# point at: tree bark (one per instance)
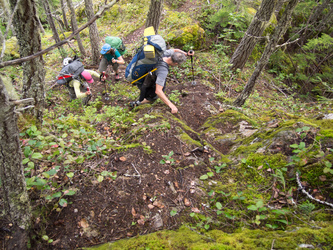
(93, 32)
(269, 49)
(26, 23)
(63, 9)
(252, 35)
(75, 27)
(154, 14)
(15, 196)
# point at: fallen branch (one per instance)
(28, 58)
(21, 109)
(23, 101)
(286, 43)
(309, 195)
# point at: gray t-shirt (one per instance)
(163, 68)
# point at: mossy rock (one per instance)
(189, 36)
(185, 238)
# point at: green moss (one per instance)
(184, 238)
(325, 133)
(187, 139)
(273, 161)
(12, 47)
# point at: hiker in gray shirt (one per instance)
(154, 83)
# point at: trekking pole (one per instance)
(193, 82)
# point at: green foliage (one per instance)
(306, 207)
(168, 159)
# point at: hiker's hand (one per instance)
(88, 92)
(114, 60)
(190, 53)
(174, 109)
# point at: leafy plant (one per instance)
(168, 159)
(306, 207)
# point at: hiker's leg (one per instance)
(145, 101)
(84, 88)
(71, 91)
(116, 70)
(103, 65)
(147, 87)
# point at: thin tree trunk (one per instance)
(75, 27)
(154, 14)
(318, 21)
(26, 23)
(253, 34)
(93, 32)
(269, 49)
(63, 9)
(15, 196)
(40, 25)
(50, 20)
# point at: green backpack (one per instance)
(117, 43)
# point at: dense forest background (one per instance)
(246, 163)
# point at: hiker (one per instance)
(78, 87)
(109, 56)
(154, 83)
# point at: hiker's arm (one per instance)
(93, 73)
(190, 53)
(119, 60)
(164, 98)
(79, 94)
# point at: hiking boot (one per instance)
(116, 77)
(134, 104)
(86, 100)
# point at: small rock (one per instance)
(157, 221)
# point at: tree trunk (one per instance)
(93, 32)
(26, 23)
(50, 20)
(63, 9)
(252, 35)
(318, 21)
(15, 196)
(154, 14)
(75, 27)
(269, 49)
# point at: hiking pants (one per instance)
(83, 88)
(104, 64)
(148, 88)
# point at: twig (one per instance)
(278, 89)
(305, 222)
(23, 101)
(286, 43)
(309, 195)
(272, 245)
(137, 172)
(27, 107)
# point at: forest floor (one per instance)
(140, 200)
(117, 209)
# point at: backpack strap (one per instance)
(143, 75)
